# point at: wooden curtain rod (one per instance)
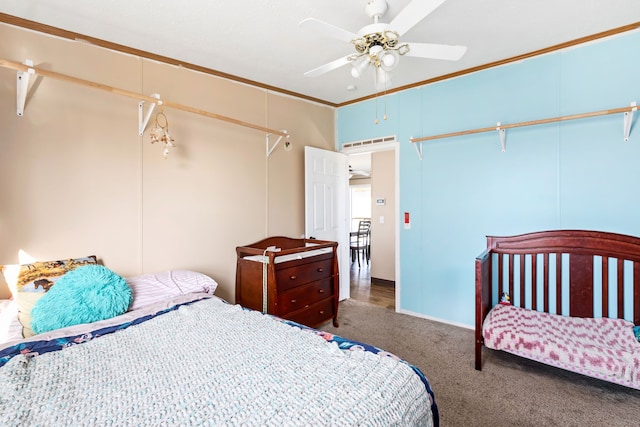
(25, 68)
(528, 123)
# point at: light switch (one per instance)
(381, 219)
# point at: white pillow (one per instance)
(10, 326)
(151, 288)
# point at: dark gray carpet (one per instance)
(509, 391)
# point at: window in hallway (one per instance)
(360, 203)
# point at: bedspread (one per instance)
(599, 347)
(208, 363)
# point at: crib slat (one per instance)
(558, 283)
(500, 275)
(620, 288)
(511, 278)
(605, 287)
(636, 293)
(534, 282)
(522, 291)
(546, 282)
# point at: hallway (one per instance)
(363, 290)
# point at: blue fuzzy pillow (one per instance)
(84, 295)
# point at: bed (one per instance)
(566, 298)
(182, 356)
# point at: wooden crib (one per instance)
(599, 273)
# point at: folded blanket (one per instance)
(600, 347)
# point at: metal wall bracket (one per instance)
(275, 144)
(143, 119)
(628, 120)
(503, 137)
(22, 81)
(418, 147)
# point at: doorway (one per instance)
(373, 189)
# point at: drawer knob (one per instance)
(320, 269)
(293, 301)
(321, 311)
(321, 291)
(293, 277)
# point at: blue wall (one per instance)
(574, 174)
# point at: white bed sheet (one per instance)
(10, 327)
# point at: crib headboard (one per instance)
(520, 260)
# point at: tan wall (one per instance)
(383, 253)
(77, 179)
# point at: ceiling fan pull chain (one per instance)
(376, 120)
(385, 104)
(375, 76)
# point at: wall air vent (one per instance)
(374, 144)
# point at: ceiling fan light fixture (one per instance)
(389, 59)
(359, 66)
(383, 79)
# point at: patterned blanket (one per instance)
(208, 363)
(599, 347)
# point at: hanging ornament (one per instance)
(160, 133)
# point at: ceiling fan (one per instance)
(358, 173)
(378, 44)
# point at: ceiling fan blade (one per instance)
(413, 13)
(436, 51)
(327, 30)
(328, 67)
(360, 173)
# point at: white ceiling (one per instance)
(360, 164)
(260, 40)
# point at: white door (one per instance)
(326, 199)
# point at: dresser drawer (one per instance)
(305, 295)
(313, 315)
(288, 278)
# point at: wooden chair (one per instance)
(360, 243)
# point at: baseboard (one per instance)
(383, 282)
(435, 319)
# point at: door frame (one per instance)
(387, 145)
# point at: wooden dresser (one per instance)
(300, 277)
